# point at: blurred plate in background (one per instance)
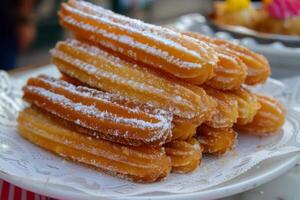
(263, 38)
(260, 37)
(284, 59)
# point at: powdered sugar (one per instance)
(128, 75)
(92, 110)
(98, 71)
(155, 33)
(125, 39)
(97, 151)
(158, 122)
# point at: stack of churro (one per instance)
(139, 101)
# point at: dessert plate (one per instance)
(256, 160)
(264, 38)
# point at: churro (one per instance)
(230, 71)
(156, 46)
(140, 164)
(185, 155)
(248, 105)
(216, 141)
(107, 115)
(258, 68)
(226, 112)
(102, 70)
(268, 119)
(183, 130)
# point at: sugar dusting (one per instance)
(67, 141)
(176, 97)
(161, 126)
(130, 41)
(155, 33)
(92, 110)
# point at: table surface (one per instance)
(285, 187)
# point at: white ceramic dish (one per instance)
(242, 32)
(259, 174)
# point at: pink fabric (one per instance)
(11, 192)
(283, 9)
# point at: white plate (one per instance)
(262, 173)
(242, 32)
(265, 38)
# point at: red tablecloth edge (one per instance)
(12, 192)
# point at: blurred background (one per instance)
(29, 28)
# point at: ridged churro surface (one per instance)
(226, 112)
(100, 69)
(258, 68)
(248, 105)
(140, 164)
(185, 155)
(216, 141)
(103, 113)
(156, 46)
(268, 119)
(230, 71)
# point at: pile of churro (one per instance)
(139, 101)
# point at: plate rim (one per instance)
(214, 192)
(253, 33)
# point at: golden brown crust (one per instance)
(185, 155)
(248, 105)
(102, 70)
(183, 130)
(105, 115)
(216, 141)
(158, 47)
(140, 164)
(258, 68)
(268, 119)
(226, 112)
(230, 71)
